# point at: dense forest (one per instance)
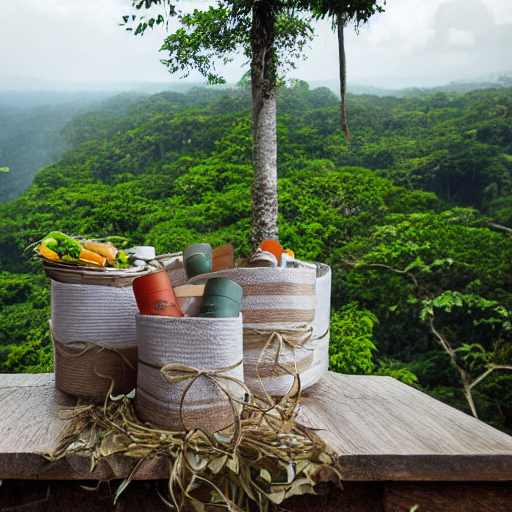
(411, 213)
(30, 122)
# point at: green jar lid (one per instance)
(223, 287)
(194, 249)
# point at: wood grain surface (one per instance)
(223, 257)
(380, 429)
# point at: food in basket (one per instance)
(105, 249)
(48, 253)
(57, 246)
(289, 252)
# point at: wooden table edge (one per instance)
(354, 468)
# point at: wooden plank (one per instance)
(384, 430)
(223, 257)
(28, 415)
(380, 429)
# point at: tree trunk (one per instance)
(264, 111)
(343, 76)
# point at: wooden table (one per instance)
(397, 446)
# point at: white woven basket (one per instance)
(203, 344)
(104, 316)
(321, 332)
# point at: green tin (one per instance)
(221, 299)
(197, 259)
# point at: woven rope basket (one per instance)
(321, 332)
(272, 295)
(307, 296)
(202, 344)
(94, 333)
(68, 273)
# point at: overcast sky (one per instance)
(414, 43)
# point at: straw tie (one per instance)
(86, 346)
(292, 337)
(76, 350)
(175, 373)
(295, 337)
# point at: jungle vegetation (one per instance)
(411, 213)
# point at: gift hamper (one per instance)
(93, 312)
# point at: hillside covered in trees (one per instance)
(411, 214)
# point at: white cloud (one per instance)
(414, 42)
(461, 37)
(420, 42)
(501, 11)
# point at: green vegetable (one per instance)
(63, 245)
(122, 257)
(122, 260)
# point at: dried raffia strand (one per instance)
(264, 457)
(258, 449)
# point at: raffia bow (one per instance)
(175, 373)
(293, 338)
(77, 349)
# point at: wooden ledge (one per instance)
(379, 428)
(382, 429)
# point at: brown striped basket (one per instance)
(272, 295)
(281, 300)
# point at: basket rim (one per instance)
(182, 319)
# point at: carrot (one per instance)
(106, 250)
(48, 253)
(92, 257)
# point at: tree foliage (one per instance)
(174, 169)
